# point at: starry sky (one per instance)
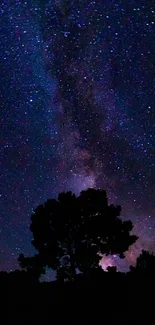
(77, 100)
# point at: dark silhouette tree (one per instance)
(33, 265)
(145, 263)
(71, 232)
(112, 269)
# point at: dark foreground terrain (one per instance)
(100, 298)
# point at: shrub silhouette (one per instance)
(112, 269)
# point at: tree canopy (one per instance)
(145, 263)
(71, 232)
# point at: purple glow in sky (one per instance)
(77, 110)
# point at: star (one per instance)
(77, 98)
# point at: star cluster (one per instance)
(77, 110)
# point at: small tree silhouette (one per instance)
(145, 263)
(70, 232)
(112, 269)
(34, 265)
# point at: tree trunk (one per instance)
(72, 260)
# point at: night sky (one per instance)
(77, 97)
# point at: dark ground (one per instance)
(107, 299)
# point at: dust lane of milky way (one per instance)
(77, 110)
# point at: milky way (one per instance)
(77, 111)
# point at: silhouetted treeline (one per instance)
(72, 233)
